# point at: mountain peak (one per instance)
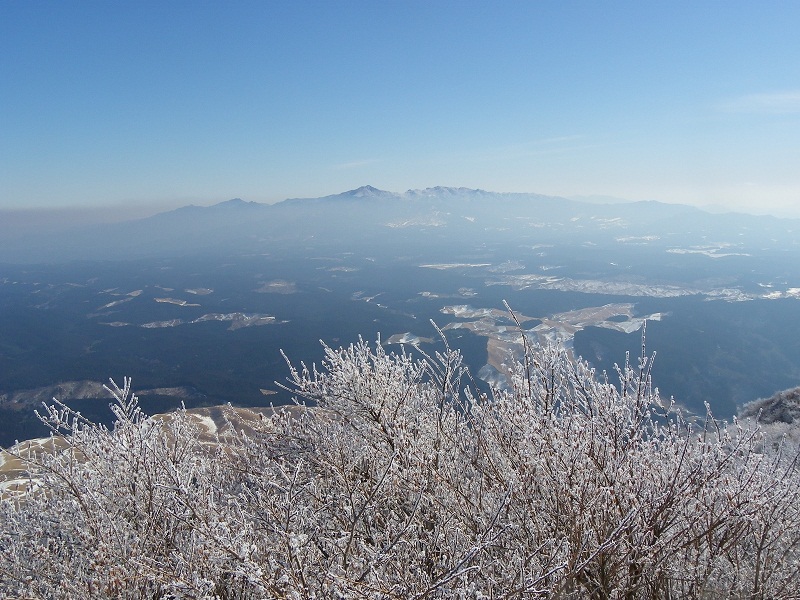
(446, 192)
(234, 203)
(366, 191)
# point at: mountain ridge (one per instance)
(357, 215)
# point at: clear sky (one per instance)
(166, 103)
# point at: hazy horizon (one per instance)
(18, 223)
(151, 104)
(21, 221)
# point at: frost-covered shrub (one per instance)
(405, 482)
(782, 407)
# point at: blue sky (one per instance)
(168, 103)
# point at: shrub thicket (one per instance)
(405, 482)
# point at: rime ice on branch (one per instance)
(404, 481)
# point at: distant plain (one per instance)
(196, 304)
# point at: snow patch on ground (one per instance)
(206, 423)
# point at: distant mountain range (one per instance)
(195, 302)
(367, 215)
